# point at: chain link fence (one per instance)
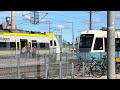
(43, 66)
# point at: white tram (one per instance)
(94, 43)
(12, 41)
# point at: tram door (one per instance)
(23, 42)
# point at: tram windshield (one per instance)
(86, 40)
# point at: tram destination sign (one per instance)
(87, 35)
(4, 39)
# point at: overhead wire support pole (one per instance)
(90, 20)
(111, 44)
(72, 37)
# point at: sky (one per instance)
(59, 21)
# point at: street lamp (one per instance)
(73, 37)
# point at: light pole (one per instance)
(72, 37)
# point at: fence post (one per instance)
(83, 70)
(38, 68)
(60, 73)
(46, 72)
(60, 56)
(18, 66)
(45, 63)
(66, 64)
(72, 74)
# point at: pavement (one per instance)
(86, 77)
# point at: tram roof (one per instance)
(19, 32)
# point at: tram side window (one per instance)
(12, 45)
(98, 44)
(50, 42)
(34, 43)
(44, 45)
(117, 41)
(55, 43)
(17, 45)
(3, 45)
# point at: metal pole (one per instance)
(90, 20)
(111, 44)
(73, 37)
(61, 47)
(38, 68)
(45, 63)
(83, 71)
(78, 44)
(13, 19)
(18, 66)
(61, 40)
(66, 64)
(46, 72)
(72, 74)
(49, 27)
(60, 73)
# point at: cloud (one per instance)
(85, 21)
(117, 16)
(27, 17)
(93, 21)
(97, 21)
(60, 26)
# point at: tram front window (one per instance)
(98, 44)
(86, 40)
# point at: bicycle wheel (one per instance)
(97, 71)
(77, 69)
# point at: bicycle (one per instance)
(93, 68)
(104, 65)
(96, 69)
